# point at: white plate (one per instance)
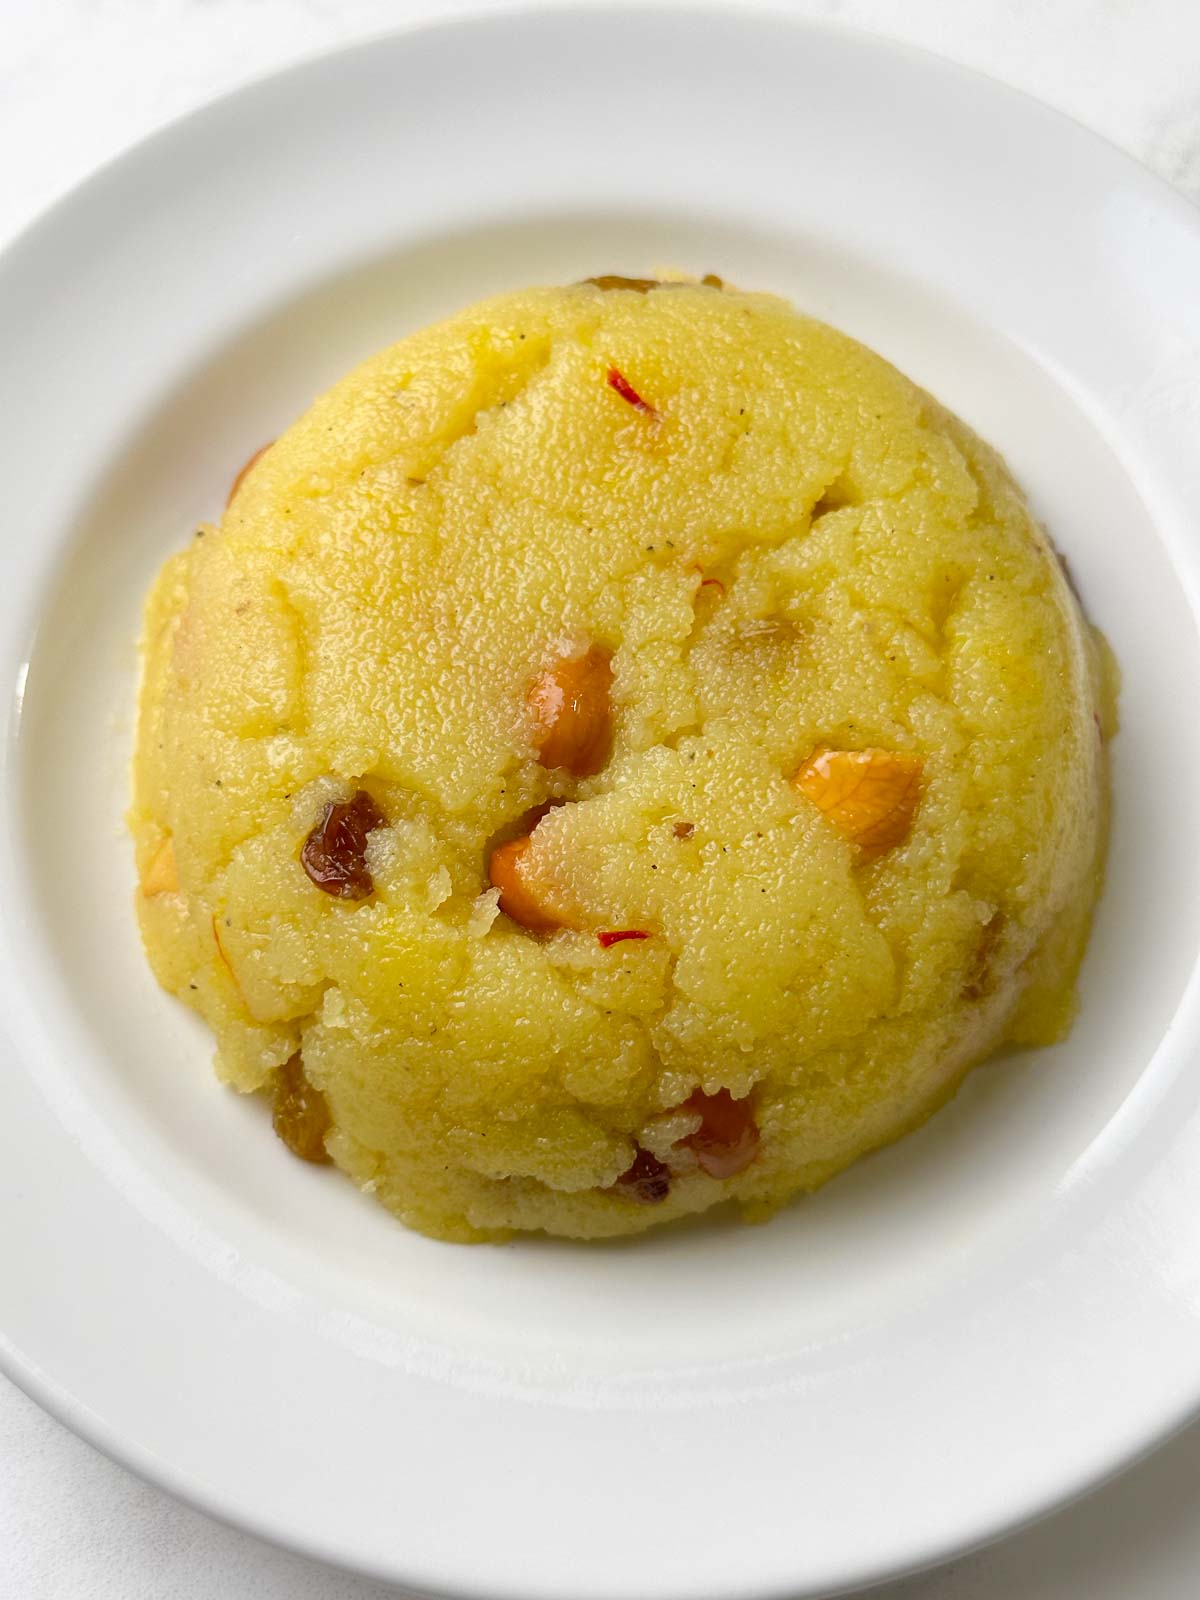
(953, 1337)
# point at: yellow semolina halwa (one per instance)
(626, 748)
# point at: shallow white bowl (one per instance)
(951, 1338)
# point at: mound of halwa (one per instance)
(626, 748)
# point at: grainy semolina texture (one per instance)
(485, 500)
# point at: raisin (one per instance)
(334, 854)
(301, 1115)
(612, 280)
(646, 1179)
(726, 1141)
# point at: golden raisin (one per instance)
(518, 899)
(870, 796)
(241, 477)
(301, 1115)
(612, 280)
(571, 703)
(646, 1179)
(335, 853)
(162, 875)
(726, 1141)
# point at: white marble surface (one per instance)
(82, 79)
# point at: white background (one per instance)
(82, 79)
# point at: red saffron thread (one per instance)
(618, 381)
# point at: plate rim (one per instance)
(39, 1384)
(479, 13)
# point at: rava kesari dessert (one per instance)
(624, 749)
